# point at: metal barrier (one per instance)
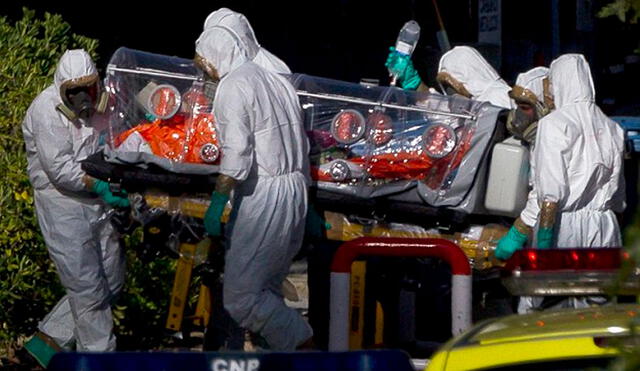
(399, 247)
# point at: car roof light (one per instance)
(567, 259)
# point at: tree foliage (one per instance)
(30, 48)
(625, 10)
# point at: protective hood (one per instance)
(468, 67)
(75, 68)
(220, 47)
(529, 85)
(571, 80)
(265, 59)
(239, 24)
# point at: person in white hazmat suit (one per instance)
(265, 163)
(79, 237)
(462, 70)
(241, 26)
(531, 100)
(578, 179)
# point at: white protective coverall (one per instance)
(532, 81)
(577, 162)
(242, 28)
(467, 65)
(81, 241)
(265, 149)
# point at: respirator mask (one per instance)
(82, 99)
(522, 124)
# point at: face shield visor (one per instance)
(522, 122)
(82, 98)
(210, 73)
(209, 76)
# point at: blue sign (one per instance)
(367, 360)
(631, 126)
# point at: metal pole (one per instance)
(152, 72)
(365, 102)
(555, 28)
(443, 38)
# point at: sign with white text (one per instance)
(490, 22)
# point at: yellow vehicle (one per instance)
(575, 339)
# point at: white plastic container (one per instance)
(507, 184)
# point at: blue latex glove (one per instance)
(512, 241)
(401, 66)
(545, 238)
(102, 189)
(214, 214)
(315, 225)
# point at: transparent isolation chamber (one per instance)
(377, 141)
(160, 109)
(365, 141)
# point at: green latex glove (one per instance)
(545, 238)
(512, 241)
(315, 225)
(214, 214)
(41, 350)
(401, 66)
(102, 189)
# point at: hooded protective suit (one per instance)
(265, 149)
(577, 161)
(240, 25)
(467, 67)
(81, 242)
(531, 82)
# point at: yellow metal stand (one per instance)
(357, 310)
(356, 305)
(180, 289)
(203, 308)
(190, 255)
(379, 335)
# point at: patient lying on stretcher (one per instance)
(189, 135)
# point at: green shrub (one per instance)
(30, 49)
(29, 287)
